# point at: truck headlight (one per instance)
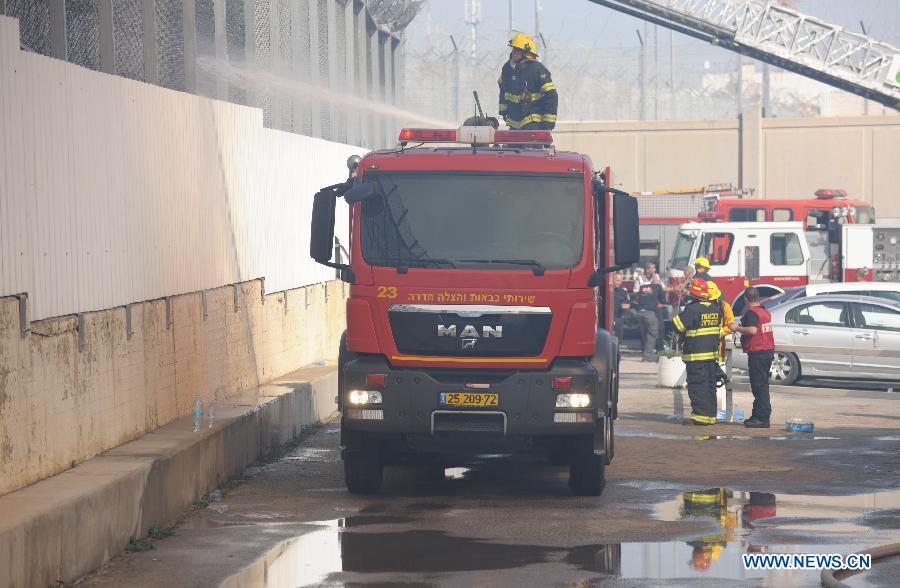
(361, 397)
(573, 400)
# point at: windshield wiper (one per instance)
(404, 263)
(537, 267)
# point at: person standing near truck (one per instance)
(622, 305)
(758, 342)
(702, 267)
(715, 296)
(651, 297)
(700, 324)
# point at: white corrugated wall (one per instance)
(114, 191)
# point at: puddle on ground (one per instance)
(629, 432)
(309, 454)
(207, 523)
(739, 521)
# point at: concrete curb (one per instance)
(70, 524)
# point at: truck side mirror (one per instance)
(626, 233)
(360, 192)
(321, 229)
(626, 229)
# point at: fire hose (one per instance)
(832, 578)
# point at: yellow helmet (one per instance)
(714, 292)
(525, 43)
(702, 262)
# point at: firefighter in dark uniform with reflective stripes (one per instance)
(528, 98)
(700, 325)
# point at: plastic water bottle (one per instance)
(198, 413)
(211, 416)
(800, 425)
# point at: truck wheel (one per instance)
(609, 440)
(587, 475)
(363, 472)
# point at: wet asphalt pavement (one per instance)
(681, 507)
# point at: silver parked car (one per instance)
(889, 290)
(834, 336)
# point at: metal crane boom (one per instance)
(782, 37)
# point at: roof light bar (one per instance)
(428, 135)
(826, 194)
(475, 135)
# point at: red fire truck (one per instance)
(774, 255)
(473, 323)
(828, 204)
(664, 211)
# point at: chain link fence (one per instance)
(324, 68)
(660, 82)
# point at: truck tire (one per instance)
(363, 472)
(587, 474)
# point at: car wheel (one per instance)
(785, 368)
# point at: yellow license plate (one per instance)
(469, 399)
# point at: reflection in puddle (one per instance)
(736, 511)
(313, 558)
(742, 521)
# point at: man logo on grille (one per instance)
(469, 343)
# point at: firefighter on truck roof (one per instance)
(700, 326)
(528, 98)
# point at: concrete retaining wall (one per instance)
(113, 191)
(75, 386)
(68, 525)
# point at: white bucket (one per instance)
(671, 372)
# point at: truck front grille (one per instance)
(469, 330)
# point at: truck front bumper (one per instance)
(411, 406)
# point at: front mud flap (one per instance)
(600, 434)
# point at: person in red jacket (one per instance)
(758, 342)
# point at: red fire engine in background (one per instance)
(663, 212)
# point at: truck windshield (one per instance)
(865, 215)
(681, 257)
(486, 220)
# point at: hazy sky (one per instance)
(581, 22)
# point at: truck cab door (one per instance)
(723, 251)
(787, 260)
(857, 252)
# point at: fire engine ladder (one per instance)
(782, 37)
